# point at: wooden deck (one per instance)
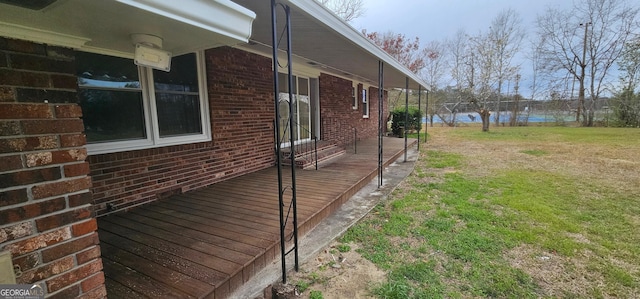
(208, 242)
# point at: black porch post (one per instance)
(406, 116)
(426, 112)
(292, 140)
(381, 124)
(419, 105)
(274, 47)
(281, 189)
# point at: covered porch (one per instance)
(208, 242)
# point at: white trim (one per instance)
(221, 16)
(204, 111)
(41, 36)
(354, 95)
(108, 52)
(366, 106)
(153, 139)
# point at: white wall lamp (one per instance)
(149, 52)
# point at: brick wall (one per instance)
(336, 112)
(241, 104)
(46, 219)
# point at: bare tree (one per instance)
(434, 64)
(433, 72)
(348, 10)
(459, 56)
(585, 42)
(458, 48)
(480, 77)
(505, 36)
(534, 57)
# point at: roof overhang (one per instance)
(322, 40)
(106, 25)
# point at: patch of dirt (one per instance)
(557, 276)
(338, 274)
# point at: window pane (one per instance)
(305, 111)
(365, 103)
(102, 71)
(178, 114)
(303, 86)
(283, 82)
(111, 115)
(111, 98)
(283, 103)
(183, 76)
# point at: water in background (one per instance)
(505, 117)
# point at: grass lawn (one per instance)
(526, 212)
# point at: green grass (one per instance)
(315, 295)
(607, 136)
(343, 248)
(448, 238)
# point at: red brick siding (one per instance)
(337, 114)
(45, 217)
(241, 109)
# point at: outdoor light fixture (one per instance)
(149, 52)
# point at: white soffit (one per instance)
(220, 16)
(105, 26)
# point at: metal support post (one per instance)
(406, 117)
(426, 112)
(381, 124)
(281, 188)
(419, 104)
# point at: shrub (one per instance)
(398, 120)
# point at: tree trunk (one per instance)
(484, 115)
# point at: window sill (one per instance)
(124, 146)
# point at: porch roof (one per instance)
(106, 26)
(322, 40)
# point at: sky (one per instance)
(439, 19)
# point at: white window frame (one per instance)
(354, 96)
(366, 99)
(153, 139)
(287, 143)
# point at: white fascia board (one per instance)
(322, 14)
(41, 36)
(220, 16)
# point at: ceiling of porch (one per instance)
(322, 40)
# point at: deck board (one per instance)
(189, 245)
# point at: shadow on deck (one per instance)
(209, 242)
